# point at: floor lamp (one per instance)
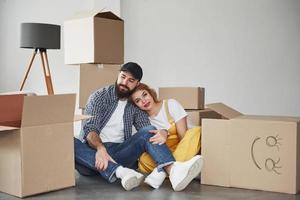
(40, 37)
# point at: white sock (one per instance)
(129, 177)
(155, 178)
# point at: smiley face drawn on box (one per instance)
(271, 162)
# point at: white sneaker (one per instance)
(130, 181)
(182, 173)
(129, 178)
(155, 178)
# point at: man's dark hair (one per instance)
(134, 69)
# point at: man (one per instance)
(110, 149)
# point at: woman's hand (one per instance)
(160, 136)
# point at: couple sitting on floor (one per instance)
(163, 145)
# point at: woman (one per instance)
(169, 115)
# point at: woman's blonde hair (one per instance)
(143, 86)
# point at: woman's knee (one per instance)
(144, 132)
(148, 128)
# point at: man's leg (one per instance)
(85, 161)
(85, 171)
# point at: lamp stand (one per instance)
(46, 69)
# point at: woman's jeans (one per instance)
(125, 154)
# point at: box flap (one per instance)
(41, 110)
(224, 110)
(77, 118)
(7, 128)
(11, 110)
(108, 15)
(95, 13)
(26, 93)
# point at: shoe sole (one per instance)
(140, 179)
(132, 182)
(151, 184)
(193, 172)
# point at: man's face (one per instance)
(125, 84)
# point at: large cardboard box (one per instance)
(36, 143)
(94, 37)
(253, 152)
(93, 77)
(188, 97)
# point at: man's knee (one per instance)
(76, 143)
(82, 170)
(80, 147)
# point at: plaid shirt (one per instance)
(101, 105)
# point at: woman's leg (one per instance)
(130, 150)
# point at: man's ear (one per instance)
(137, 83)
(118, 76)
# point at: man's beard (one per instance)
(123, 94)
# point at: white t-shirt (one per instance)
(160, 121)
(113, 131)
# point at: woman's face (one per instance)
(143, 100)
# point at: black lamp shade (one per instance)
(41, 36)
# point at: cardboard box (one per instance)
(196, 116)
(252, 152)
(188, 97)
(93, 77)
(94, 37)
(36, 143)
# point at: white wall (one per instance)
(14, 60)
(112, 5)
(245, 53)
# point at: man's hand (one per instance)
(102, 158)
(160, 136)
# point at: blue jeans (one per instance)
(125, 154)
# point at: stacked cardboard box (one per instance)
(188, 97)
(36, 143)
(93, 77)
(253, 152)
(95, 41)
(193, 101)
(94, 37)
